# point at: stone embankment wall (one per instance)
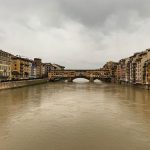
(17, 84)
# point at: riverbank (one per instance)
(17, 84)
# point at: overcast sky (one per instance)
(75, 33)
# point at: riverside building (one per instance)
(147, 72)
(21, 68)
(135, 69)
(38, 65)
(5, 65)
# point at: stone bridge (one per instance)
(70, 75)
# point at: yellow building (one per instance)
(5, 66)
(21, 68)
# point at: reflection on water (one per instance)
(75, 116)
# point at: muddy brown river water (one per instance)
(75, 116)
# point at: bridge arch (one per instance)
(79, 77)
(88, 79)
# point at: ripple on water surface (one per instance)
(75, 116)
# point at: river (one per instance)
(75, 116)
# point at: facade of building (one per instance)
(33, 71)
(30, 69)
(130, 69)
(112, 67)
(58, 67)
(118, 72)
(122, 70)
(38, 65)
(134, 69)
(146, 79)
(145, 56)
(148, 73)
(138, 66)
(20, 68)
(138, 75)
(5, 66)
(127, 70)
(44, 75)
(48, 67)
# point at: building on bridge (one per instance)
(70, 75)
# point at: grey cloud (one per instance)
(93, 14)
(96, 13)
(75, 33)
